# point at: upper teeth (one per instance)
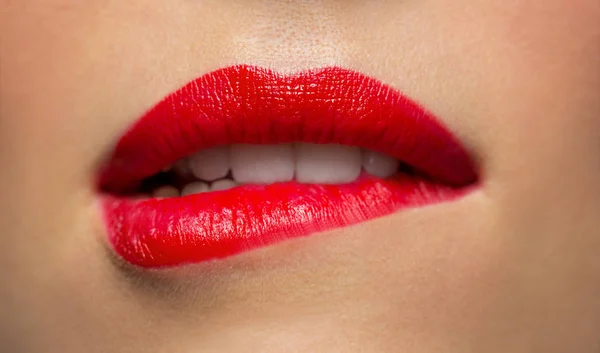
(379, 164)
(327, 164)
(210, 164)
(262, 164)
(266, 164)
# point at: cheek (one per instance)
(531, 90)
(543, 153)
(46, 79)
(546, 106)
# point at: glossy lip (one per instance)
(246, 104)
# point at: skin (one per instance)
(513, 267)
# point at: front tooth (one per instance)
(327, 164)
(210, 164)
(195, 188)
(223, 184)
(166, 191)
(262, 164)
(379, 165)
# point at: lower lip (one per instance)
(148, 233)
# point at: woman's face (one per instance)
(511, 267)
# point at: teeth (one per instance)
(267, 164)
(210, 164)
(195, 188)
(327, 164)
(262, 164)
(223, 184)
(379, 165)
(166, 191)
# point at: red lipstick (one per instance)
(246, 104)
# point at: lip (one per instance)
(247, 104)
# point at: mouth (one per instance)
(244, 157)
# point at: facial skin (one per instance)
(513, 267)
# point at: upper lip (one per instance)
(246, 104)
